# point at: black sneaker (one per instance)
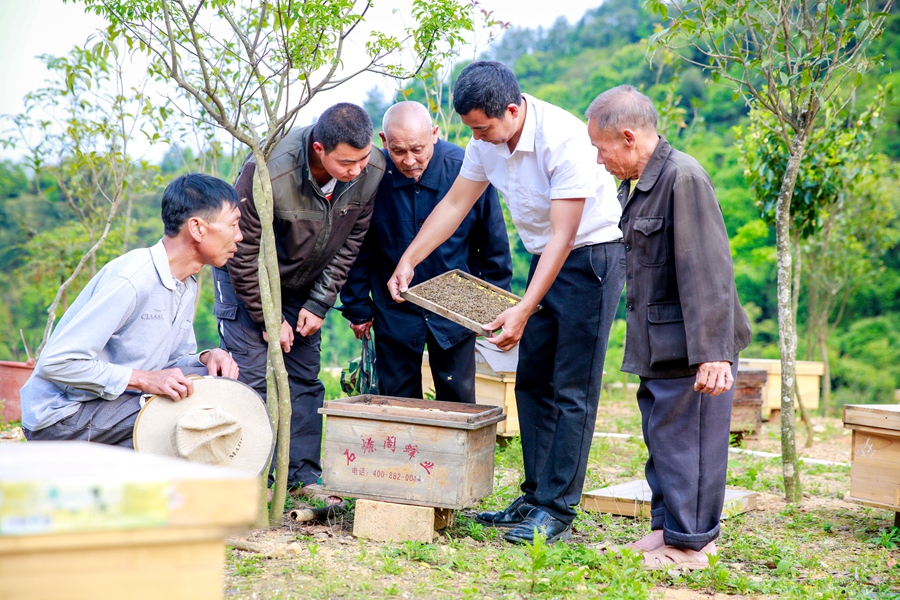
(512, 515)
(540, 520)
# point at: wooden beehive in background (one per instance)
(875, 457)
(409, 451)
(746, 411)
(495, 382)
(809, 379)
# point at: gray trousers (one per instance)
(242, 337)
(560, 372)
(687, 434)
(103, 421)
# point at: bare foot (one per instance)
(670, 557)
(649, 542)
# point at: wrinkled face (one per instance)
(490, 129)
(344, 162)
(220, 236)
(411, 148)
(613, 152)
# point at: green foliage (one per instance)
(831, 162)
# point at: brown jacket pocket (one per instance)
(668, 341)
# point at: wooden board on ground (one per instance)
(80, 520)
(875, 457)
(416, 452)
(632, 499)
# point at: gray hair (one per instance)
(622, 107)
(407, 114)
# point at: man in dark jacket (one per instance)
(685, 324)
(324, 179)
(420, 170)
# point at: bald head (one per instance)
(406, 115)
(409, 137)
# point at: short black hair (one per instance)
(343, 123)
(487, 85)
(194, 195)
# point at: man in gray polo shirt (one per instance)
(130, 331)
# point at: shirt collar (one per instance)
(529, 129)
(654, 166)
(161, 262)
(431, 178)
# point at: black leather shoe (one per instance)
(552, 528)
(510, 516)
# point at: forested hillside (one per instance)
(569, 64)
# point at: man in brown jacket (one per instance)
(324, 179)
(685, 324)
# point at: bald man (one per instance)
(420, 170)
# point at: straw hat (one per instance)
(224, 422)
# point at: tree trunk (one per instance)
(278, 394)
(795, 302)
(788, 337)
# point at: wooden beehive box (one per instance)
(875, 459)
(409, 451)
(89, 521)
(495, 382)
(746, 411)
(809, 379)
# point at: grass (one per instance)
(822, 549)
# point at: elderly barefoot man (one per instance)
(685, 323)
(420, 170)
(564, 208)
(130, 331)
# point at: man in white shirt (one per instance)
(565, 209)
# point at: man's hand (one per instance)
(308, 323)
(512, 322)
(399, 281)
(713, 378)
(219, 363)
(361, 330)
(171, 382)
(286, 336)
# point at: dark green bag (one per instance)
(359, 376)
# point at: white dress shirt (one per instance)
(553, 159)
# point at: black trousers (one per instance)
(559, 374)
(687, 434)
(399, 369)
(242, 337)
